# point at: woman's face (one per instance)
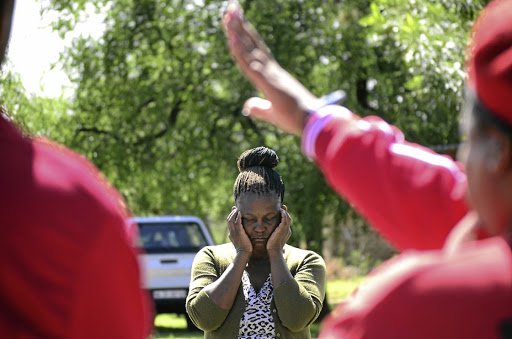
(261, 214)
(478, 154)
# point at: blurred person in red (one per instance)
(67, 265)
(454, 276)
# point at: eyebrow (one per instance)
(266, 215)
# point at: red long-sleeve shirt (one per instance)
(67, 265)
(413, 197)
(410, 194)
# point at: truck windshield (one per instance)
(171, 237)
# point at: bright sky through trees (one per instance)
(34, 47)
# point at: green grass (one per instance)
(175, 326)
(339, 289)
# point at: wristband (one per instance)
(330, 99)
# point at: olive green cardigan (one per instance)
(295, 304)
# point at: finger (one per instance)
(233, 29)
(255, 39)
(239, 227)
(230, 215)
(231, 11)
(246, 57)
(258, 108)
(237, 51)
(250, 41)
(238, 220)
(248, 50)
(287, 222)
(286, 219)
(235, 226)
(283, 219)
(237, 23)
(251, 59)
(231, 220)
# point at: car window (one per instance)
(171, 237)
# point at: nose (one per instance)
(259, 227)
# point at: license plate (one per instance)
(169, 294)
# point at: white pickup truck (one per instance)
(170, 244)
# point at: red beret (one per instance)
(490, 58)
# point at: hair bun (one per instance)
(259, 156)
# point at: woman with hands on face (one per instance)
(256, 286)
(247, 235)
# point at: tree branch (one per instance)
(173, 116)
(362, 93)
(97, 131)
(139, 108)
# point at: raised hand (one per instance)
(286, 98)
(281, 234)
(237, 233)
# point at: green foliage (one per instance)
(339, 289)
(158, 99)
(34, 115)
(425, 42)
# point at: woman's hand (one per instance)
(237, 233)
(281, 234)
(286, 98)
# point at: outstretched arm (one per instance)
(412, 195)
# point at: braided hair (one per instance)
(257, 174)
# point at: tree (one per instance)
(34, 115)
(158, 99)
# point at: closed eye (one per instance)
(271, 220)
(246, 221)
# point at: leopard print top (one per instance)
(257, 321)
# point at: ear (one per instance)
(232, 208)
(500, 152)
(284, 208)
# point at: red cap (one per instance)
(490, 58)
